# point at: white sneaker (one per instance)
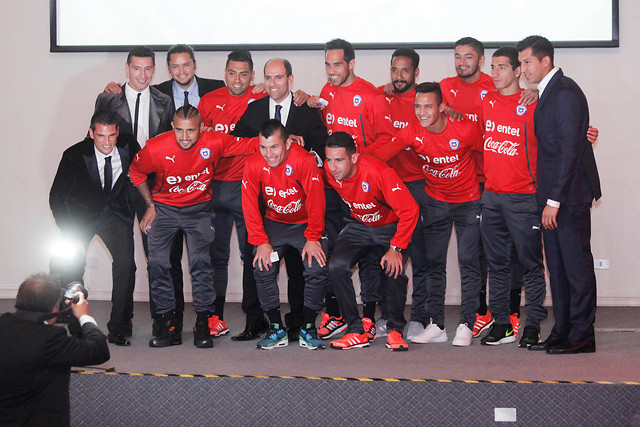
(381, 327)
(463, 337)
(431, 334)
(414, 329)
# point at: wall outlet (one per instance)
(601, 264)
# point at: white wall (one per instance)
(48, 100)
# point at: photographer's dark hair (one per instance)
(38, 293)
(342, 140)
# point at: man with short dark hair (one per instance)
(351, 104)
(221, 110)
(568, 182)
(183, 161)
(92, 196)
(303, 122)
(36, 356)
(451, 196)
(383, 217)
(510, 224)
(404, 72)
(287, 180)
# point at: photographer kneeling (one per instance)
(36, 357)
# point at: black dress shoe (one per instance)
(573, 347)
(551, 341)
(252, 331)
(118, 339)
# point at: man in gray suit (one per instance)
(144, 112)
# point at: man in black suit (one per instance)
(181, 62)
(36, 357)
(92, 195)
(185, 86)
(305, 123)
(567, 184)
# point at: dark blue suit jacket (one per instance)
(567, 171)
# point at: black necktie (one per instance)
(108, 175)
(278, 116)
(186, 98)
(135, 118)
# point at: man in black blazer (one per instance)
(567, 184)
(301, 121)
(181, 62)
(92, 195)
(36, 357)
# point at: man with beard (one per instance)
(353, 105)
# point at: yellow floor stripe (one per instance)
(136, 374)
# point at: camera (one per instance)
(72, 294)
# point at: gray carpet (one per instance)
(617, 358)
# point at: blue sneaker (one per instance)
(309, 338)
(275, 337)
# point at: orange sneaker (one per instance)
(331, 326)
(351, 340)
(395, 341)
(515, 322)
(482, 323)
(217, 327)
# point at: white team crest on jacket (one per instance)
(521, 110)
(357, 100)
(288, 170)
(483, 93)
(365, 186)
(205, 153)
(454, 144)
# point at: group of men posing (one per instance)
(358, 175)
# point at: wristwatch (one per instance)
(395, 248)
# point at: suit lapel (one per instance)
(157, 105)
(291, 118)
(122, 109)
(550, 87)
(126, 161)
(89, 156)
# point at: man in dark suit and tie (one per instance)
(185, 86)
(36, 356)
(567, 184)
(301, 121)
(92, 195)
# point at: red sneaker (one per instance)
(369, 328)
(482, 323)
(395, 341)
(351, 340)
(331, 326)
(217, 327)
(515, 322)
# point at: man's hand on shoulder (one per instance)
(114, 88)
(300, 97)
